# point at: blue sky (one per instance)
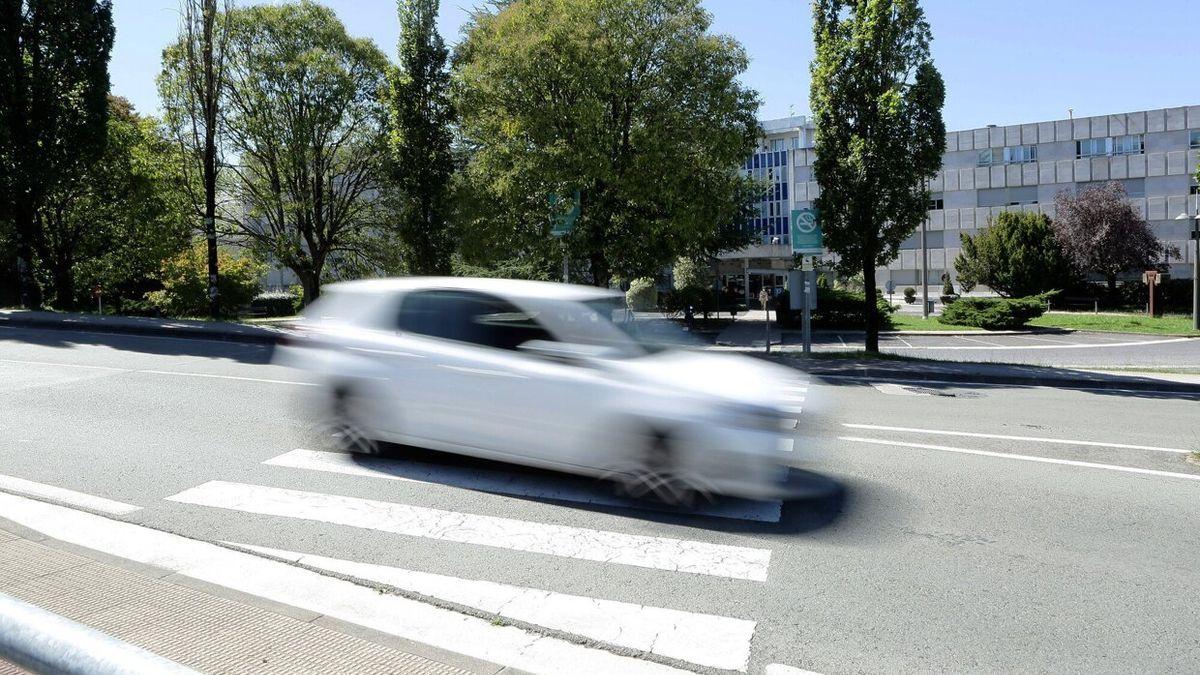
(1004, 62)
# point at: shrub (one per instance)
(1017, 255)
(994, 313)
(836, 308)
(278, 303)
(185, 282)
(642, 295)
(693, 281)
(910, 295)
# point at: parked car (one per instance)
(543, 374)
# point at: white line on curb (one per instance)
(1024, 458)
(503, 483)
(780, 669)
(227, 377)
(32, 489)
(675, 555)
(1035, 439)
(1059, 384)
(703, 639)
(336, 598)
(1096, 345)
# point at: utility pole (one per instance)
(1196, 270)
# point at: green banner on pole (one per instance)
(806, 232)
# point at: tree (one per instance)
(1101, 233)
(185, 282)
(302, 112)
(420, 119)
(877, 104)
(53, 109)
(117, 220)
(190, 87)
(693, 282)
(631, 104)
(1016, 256)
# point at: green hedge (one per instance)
(994, 313)
(836, 308)
(278, 303)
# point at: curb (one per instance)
(221, 332)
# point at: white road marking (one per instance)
(703, 639)
(965, 338)
(503, 483)
(780, 669)
(1092, 345)
(676, 555)
(32, 489)
(906, 342)
(1025, 458)
(1034, 439)
(227, 377)
(898, 390)
(64, 365)
(315, 592)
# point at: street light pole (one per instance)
(925, 261)
(1196, 269)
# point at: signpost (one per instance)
(561, 224)
(1196, 273)
(807, 241)
(890, 287)
(1151, 279)
(763, 298)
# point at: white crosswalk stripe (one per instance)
(557, 488)
(703, 639)
(676, 555)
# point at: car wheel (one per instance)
(346, 431)
(655, 474)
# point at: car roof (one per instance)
(504, 287)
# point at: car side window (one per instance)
(469, 317)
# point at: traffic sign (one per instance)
(806, 231)
(562, 222)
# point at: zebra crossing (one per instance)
(682, 637)
(672, 635)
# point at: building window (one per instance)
(1010, 196)
(986, 157)
(936, 204)
(1093, 147)
(1194, 140)
(1135, 188)
(1128, 145)
(1020, 154)
(1195, 190)
(778, 144)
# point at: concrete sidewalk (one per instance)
(204, 627)
(136, 325)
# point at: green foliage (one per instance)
(877, 104)
(279, 303)
(693, 283)
(301, 110)
(836, 308)
(515, 268)
(994, 313)
(420, 117)
(910, 295)
(115, 223)
(634, 103)
(53, 112)
(642, 295)
(185, 282)
(1016, 256)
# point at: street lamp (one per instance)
(1196, 269)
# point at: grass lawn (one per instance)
(1118, 323)
(915, 322)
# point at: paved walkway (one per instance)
(198, 627)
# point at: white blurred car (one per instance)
(543, 374)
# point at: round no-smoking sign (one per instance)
(806, 221)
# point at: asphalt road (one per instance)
(936, 551)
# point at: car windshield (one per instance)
(607, 323)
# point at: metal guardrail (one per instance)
(46, 643)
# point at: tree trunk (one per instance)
(210, 157)
(64, 286)
(310, 283)
(600, 272)
(30, 290)
(1112, 288)
(872, 307)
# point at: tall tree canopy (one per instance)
(1102, 234)
(53, 111)
(633, 105)
(1016, 256)
(115, 222)
(303, 114)
(420, 139)
(877, 104)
